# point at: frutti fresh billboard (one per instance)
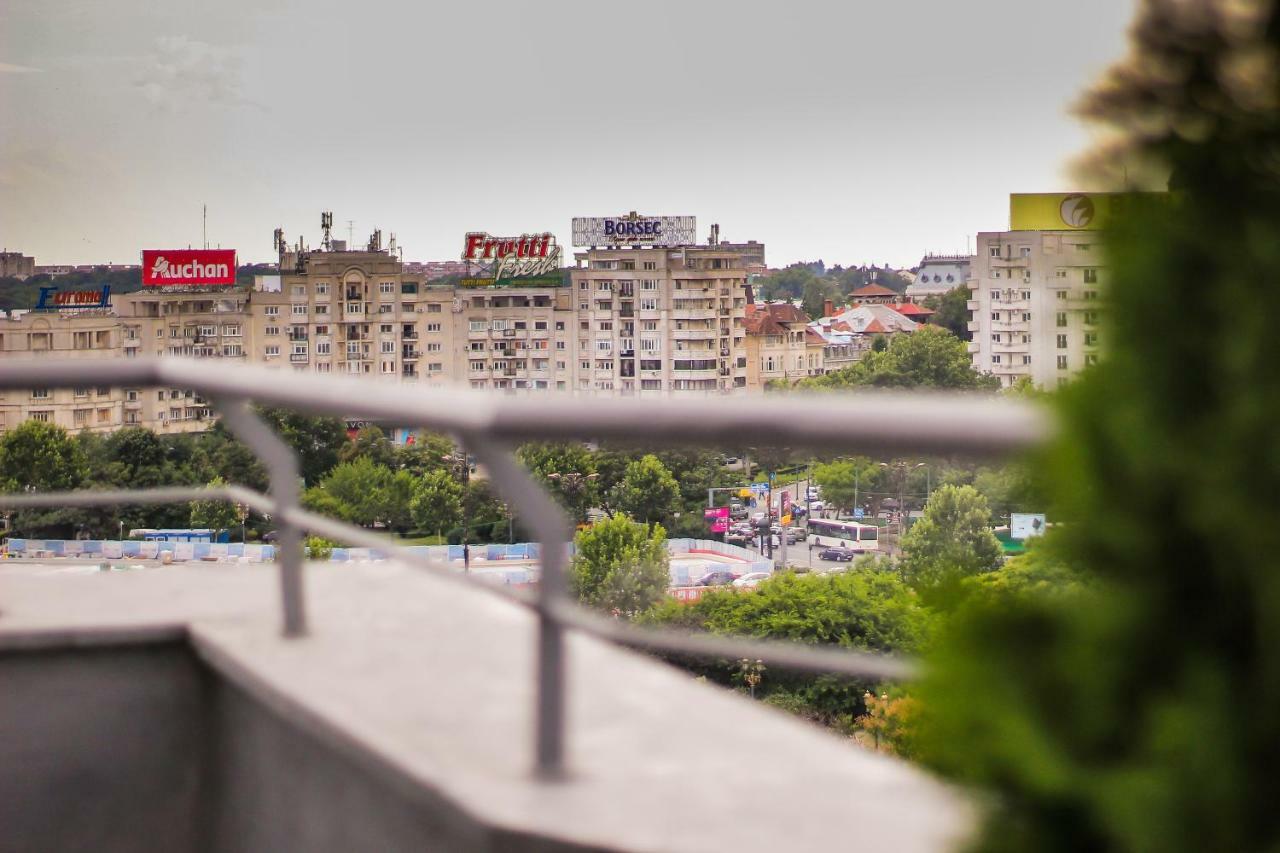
(529, 260)
(187, 267)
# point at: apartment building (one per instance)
(1034, 291)
(780, 348)
(87, 335)
(16, 265)
(628, 321)
(659, 321)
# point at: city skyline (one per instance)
(851, 135)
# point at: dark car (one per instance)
(838, 553)
(717, 578)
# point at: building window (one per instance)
(323, 347)
(1090, 276)
(271, 311)
(1061, 319)
(43, 394)
(1091, 294)
(387, 288)
(322, 309)
(272, 350)
(388, 347)
(42, 415)
(1062, 362)
(1091, 339)
(993, 251)
(995, 359)
(433, 327)
(80, 392)
(649, 304)
(322, 289)
(1090, 358)
(1026, 359)
(1062, 341)
(271, 331)
(1061, 294)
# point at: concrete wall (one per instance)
(128, 748)
(102, 749)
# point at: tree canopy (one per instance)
(926, 358)
(951, 541)
(620, 566)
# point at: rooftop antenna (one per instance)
(326, 226)
(351, 233)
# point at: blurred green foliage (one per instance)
(1139, 707)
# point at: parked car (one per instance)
(737, 510)
(838, 553)
(749, 580)
(720, 577)
(813, 493)
(735, 537)
(817, 506)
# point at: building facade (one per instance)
(779, 347)
(1033, 303)
(16, 265)
(659, 321)
(938, 274)
(647, 321)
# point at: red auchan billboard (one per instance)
(179, 267)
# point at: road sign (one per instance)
(859, 512)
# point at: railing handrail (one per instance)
(488, 425)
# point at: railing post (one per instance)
(282, 468)
(539, 510)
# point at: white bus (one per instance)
(825, 532)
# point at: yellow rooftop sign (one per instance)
(1061, 211)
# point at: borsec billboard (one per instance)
(184, 267)
(635, 230)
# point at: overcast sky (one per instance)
(855, 132)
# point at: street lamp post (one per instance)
(572, 484)
(464, 473)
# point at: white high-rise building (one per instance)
(1034, 290)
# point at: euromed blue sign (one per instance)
(51, 299)
(635, 230)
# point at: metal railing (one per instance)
(488, 426)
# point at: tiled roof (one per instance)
(872, 290)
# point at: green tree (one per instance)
(437, 502)
(926, 358)
(952, 311)
(356, 491)
(316, 440)
(370, 443)
(216, 514)
(867, 608)
(952, 540)
(620, 566)
(648, 492)
(427, 453)
(847, 480)
(567, 470)
(41, 457)
(816, 293)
